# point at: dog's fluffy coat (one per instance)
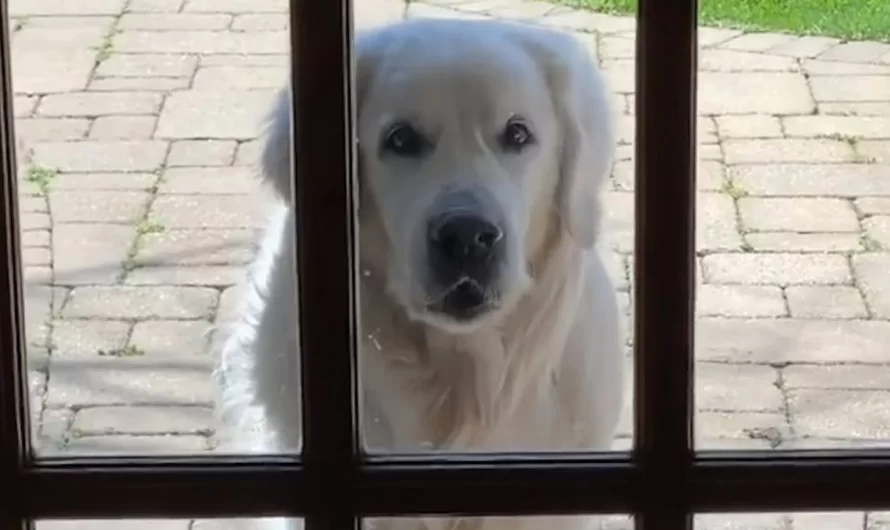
(544, 370)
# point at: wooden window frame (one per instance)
(662, 481)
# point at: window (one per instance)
(331, 484)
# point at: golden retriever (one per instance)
(489, 321)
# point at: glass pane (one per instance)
(484, 170)
(141, 209)
(566, 522)
(793, 521)
(269, 523)
(795, 229)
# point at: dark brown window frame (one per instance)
(332, 485)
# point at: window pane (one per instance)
(793, 300)
(793, 521)
(269, 523)
(597, 522)
(141, 209)
(484, 327)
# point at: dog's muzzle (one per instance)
(465, 249)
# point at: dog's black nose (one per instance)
(464, 241)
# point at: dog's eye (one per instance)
(404, 140)
(516, 135)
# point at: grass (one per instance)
(843, 19)
(42, 177)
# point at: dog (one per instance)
(488, 320)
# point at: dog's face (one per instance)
(462, 150)
(475, 139)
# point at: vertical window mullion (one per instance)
(665, 258)
(321, 70)
(15, 431)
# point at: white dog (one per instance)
(490, 322)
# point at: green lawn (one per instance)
(845, 19)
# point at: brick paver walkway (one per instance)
(139, 205)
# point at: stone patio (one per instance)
(140, 206)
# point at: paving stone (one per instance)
(280, 60)
(875, 151)
(797, 214)
(123, 128)
(260, 22)
(38, 72)
(171, 338)
(738, 426)
(53, 428)
(154, 6)
(143, 420)
(757, 42)
(210, 181)
(717, 228)
(709, 37)
(104, 181)
(588, 21)
(88, 338)
(240, 78)
(753, 388)
(618, 219)
(97, 206)
(833, 443)
(857, 88)
(127, 302)
(71, 21)
(873, 205)
(741, 521)
(856, 52)
(202, 153)
(50, 40)
(787, 150)
(102, 156)
(780, 341)
(171, 22)
(211, 276)
(18, 8)
(839, 180)
(805, 46)
(236, 6)
(36, 256)
(88, 254)
(216, 211)
(148, 65)
(130, 381)
(878, 521)
(840, 413)
(136, 445)
(105, 104)
(877, 228)
(35, 238)
(833, 126)
(43, 129)
(38, 275)
(196, 247)
(828, 521)
(778, 268)
(229, 303)
(836, 377)
(716, 60)
(200, 41)
(616, 48)
(619, 75)
(751, 93)
(853, 108)
(229, 114)
(834, 68)
(871, 271)
(24, 105)
(835, 301)
(35, 221)
(32, 204)
(138, 84)
(749, 126)
(248, 153)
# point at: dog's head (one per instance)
(474, 138)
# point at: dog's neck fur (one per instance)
(471, 385)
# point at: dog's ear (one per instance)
(275, 159)
(581, 103)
